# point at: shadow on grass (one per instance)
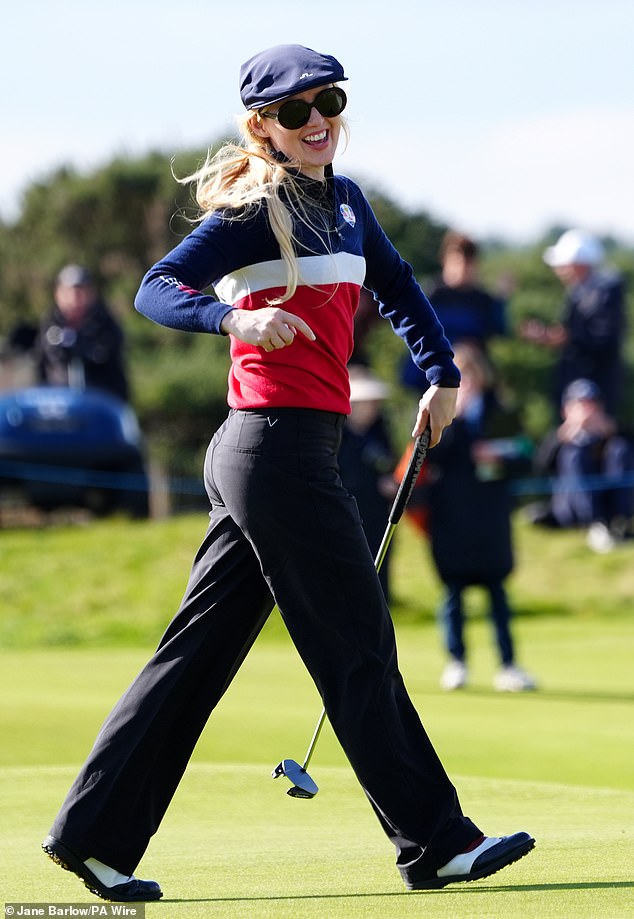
(541, 694)
(589, 885)
(405, 612)
(569, 695)
(510, 888)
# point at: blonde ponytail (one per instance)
(240, 178)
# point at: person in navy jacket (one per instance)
(276, 264)
(467, 311)
(469, 523)
(589, 337)
(590, 461)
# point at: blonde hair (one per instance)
(240, 177)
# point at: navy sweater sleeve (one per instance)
(402, 301)
(172, 293)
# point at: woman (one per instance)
(469, 505)
(287, 246)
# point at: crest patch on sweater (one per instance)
(348, 214)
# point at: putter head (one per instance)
(303, 785)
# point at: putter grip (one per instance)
(405, 489)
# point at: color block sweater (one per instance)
(342, 248)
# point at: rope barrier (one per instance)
(549, 486)
(137, 481)
(67, 475)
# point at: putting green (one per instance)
(235, 845)
(556, 763)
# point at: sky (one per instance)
(499, 117)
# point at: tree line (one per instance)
(122, 217)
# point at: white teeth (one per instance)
(314, 138)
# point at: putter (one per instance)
(302, 784)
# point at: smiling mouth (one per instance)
(318, 138)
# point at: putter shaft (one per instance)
(421, 446)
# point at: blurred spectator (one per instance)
(590, 335)
(79, 342)
(587, 445)
(366, 459)
(467, 311)
(469, 515)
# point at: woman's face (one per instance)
(313, 146)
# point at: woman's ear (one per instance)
(258, 126)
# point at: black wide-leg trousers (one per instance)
(282, 530)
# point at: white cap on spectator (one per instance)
(365, 387)
(574, 247)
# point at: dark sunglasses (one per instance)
(295, 113)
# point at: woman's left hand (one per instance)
(437, 408)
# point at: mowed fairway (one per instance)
(557, 763)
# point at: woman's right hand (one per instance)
(437, 408)
(269, 328)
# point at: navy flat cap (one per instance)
(284, 70)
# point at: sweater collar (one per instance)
(313, 187)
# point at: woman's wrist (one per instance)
(227, 323)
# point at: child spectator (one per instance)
(590, 461)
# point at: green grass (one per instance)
(81, 609)
(233, 845)
(116, 582)
(576, 729)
